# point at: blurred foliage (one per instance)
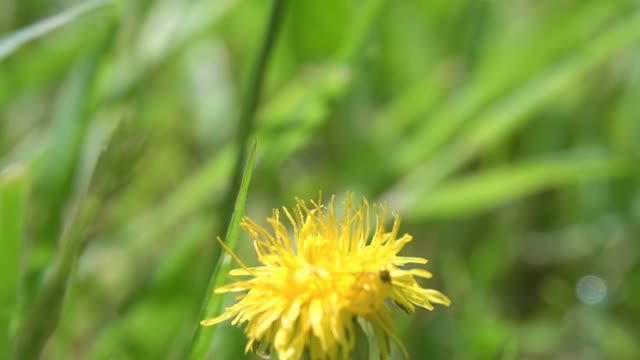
(505, 134)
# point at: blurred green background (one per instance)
(505, 133)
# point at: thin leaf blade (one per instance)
(213, 302)
(491, 188)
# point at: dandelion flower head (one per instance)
(314, 282)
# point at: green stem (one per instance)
(250, 102)
(199, 349)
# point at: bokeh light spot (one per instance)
(591, 289)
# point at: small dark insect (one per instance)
(385, 276)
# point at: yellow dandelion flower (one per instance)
(312, 285)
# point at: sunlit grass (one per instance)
(504, 133)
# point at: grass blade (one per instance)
(44, 313)
(54, 170)
(13, 42)
(213, 302)
(251, 97)
(495, 78)
(510, 114)
(240, 180)
(493, 187)
(14, 184)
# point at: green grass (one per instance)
(505, 134)
(201, 344)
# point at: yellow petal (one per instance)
(216, 320)
(315, 317)
(401, 260)
(436, 297)
(420, 273)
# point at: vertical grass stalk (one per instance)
(235, 199)
(250, 101)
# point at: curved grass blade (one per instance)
(498, 74)
(15, 41)
(510, 114)
(496, 186)
(211, 306)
